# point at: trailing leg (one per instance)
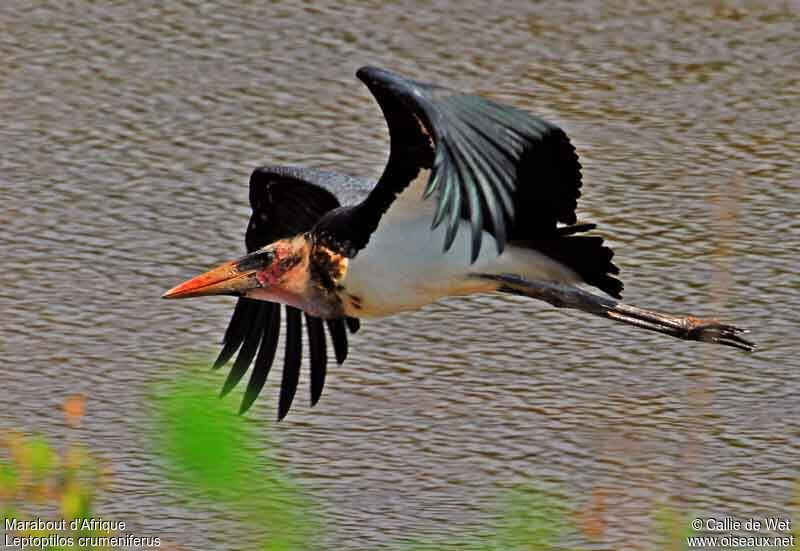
(568, 296)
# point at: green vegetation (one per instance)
(207, 451)
(205, 447)
(33, 473)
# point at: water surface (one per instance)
(127, 138)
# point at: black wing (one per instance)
(489, 162)
(285, 202)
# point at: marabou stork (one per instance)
(496, 174)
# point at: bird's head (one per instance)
(274, 272)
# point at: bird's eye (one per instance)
(256, 261)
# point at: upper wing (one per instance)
(285, 202)
(488, 162)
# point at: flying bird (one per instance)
(476, 197)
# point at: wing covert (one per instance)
(488, 162)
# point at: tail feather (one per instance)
(585, 254)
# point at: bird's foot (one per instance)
(711, 330)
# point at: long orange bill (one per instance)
(226, 279)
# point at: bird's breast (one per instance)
(403, 269)
(327, 269)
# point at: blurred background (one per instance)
(127, 135)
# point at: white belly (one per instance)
(403, 268)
